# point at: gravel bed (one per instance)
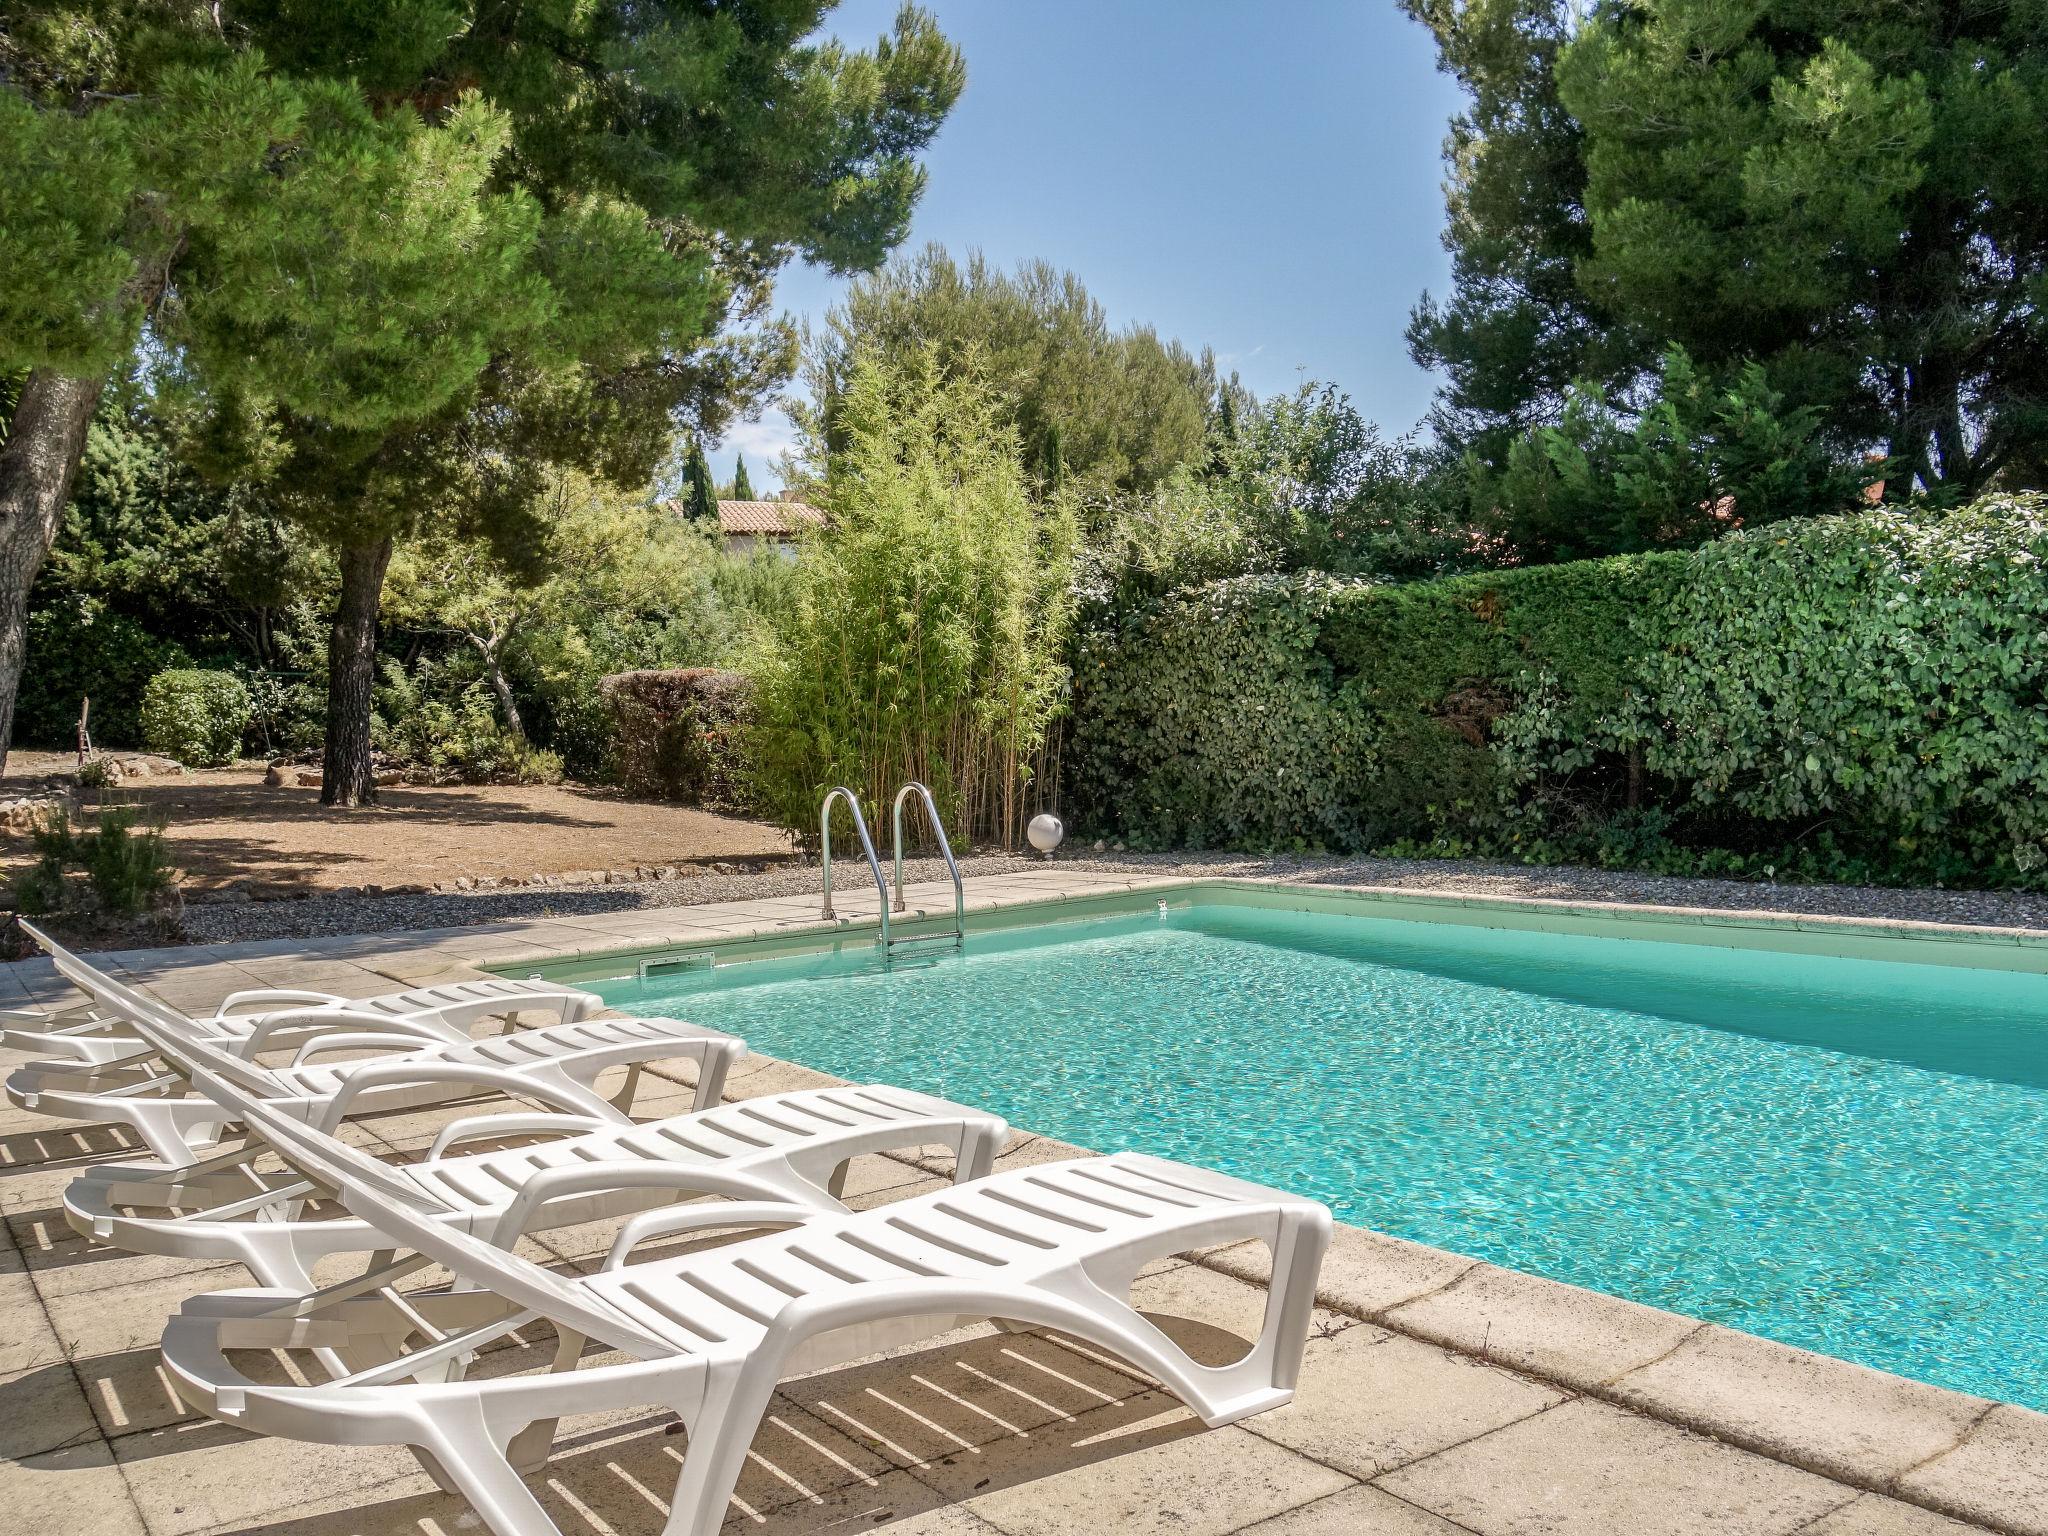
(324, 915)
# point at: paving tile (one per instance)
(42, 1410)
(1356, 1512)
(75, 1492)
(757, 1076)
(64, 1263)
(894, 1505)
(917, 1406)
(1828, 1415)
(1999, 1474)
(204, 1476)
(131, 1317)
(1142, 1467)
(26, 1338)
(1875, 1515)
(1370, 1401)
(1588, 1469)
(1579, 1337)
(38, 1161)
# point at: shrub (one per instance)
(457, 736)
(195, 716)
(97, 772)
(1886, 675)
(680, 734)
(1306, 711)
(112, 870)
(76, 651)
(1856, 697)
(1218, 721)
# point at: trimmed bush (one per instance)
(1857, 697)
(195, 716)
(681, 734)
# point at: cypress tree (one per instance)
(700, 496)
(742, 487)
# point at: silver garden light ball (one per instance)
(1045, 832)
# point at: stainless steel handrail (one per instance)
(867, 845)
(931, 811)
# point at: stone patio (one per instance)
(1439, 1394)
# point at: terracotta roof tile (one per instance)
(770, 518)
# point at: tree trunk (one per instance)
(501, 685)
(44, 442)
(346, 774)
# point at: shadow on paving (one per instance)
(855, 1448)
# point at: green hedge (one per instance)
(75, 653)
(1849, 697)
(195, 716)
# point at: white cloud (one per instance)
(763, 442)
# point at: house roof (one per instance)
(767, 519)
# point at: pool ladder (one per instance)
(958, 937)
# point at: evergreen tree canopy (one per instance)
(1854, 196)
(1516, 330)
(1123, 407)
(700, 496)
(413, 251)
(742, 487)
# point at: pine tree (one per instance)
(1131, 407)
(742, 487)
(402, 299)
(1516, 330)
(1853, 196)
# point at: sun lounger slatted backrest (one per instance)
(154, 1018)
(395, 1207)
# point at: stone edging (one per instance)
(237, 891)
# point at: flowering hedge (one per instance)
(1853, 697)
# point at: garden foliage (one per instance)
(195, 716)
(113, 870)
(681, 734)
(1851, 195)
(1863, 696)
(925, 632)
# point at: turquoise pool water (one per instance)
(1849, 1156)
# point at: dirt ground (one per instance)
(225, 825)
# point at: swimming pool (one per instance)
(1847, 1155)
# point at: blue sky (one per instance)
(1262, 177)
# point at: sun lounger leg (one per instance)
(460, 1454)
(531, 1447)
(721, 1431)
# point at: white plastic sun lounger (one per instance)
(103, 1036)
(710, 1335)
(788, 1147)
(556, 1065)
